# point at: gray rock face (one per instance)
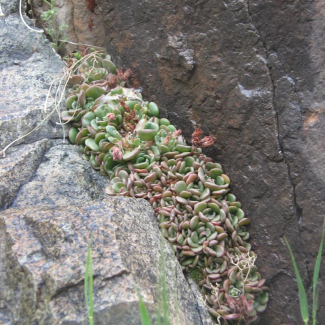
(43, 253)
(27, 66)
(63, 178)
(251, 73)
(19, 166)
(51, 205)
(44, 240)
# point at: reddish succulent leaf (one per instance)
(201, 143)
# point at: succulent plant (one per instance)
(147, 157)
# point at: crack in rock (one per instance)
(298, 210)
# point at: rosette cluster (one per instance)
(147, 157)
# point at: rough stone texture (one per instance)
(85, 27)
(19, 166)
(62, 178)
(44, 239)
(251, 72)
(27, 67)
(294, 47)
(43, 255)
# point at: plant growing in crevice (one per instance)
(59, 84)
(54, 30)
(145, 156)
(303, 301)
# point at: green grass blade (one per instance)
(159, 294)
(302, 292)
(159, 314)
(316, 274)
(159, 290)
(176, 297)
(164, 286)
(176, 305)
(48, 3)
(88, 287)
(145, 319)
(91, 291)
(316, 307)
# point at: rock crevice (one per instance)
(298, 209)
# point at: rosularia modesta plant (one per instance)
(145, 156)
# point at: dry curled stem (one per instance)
(1, 13)
(243, 261)
(23, 20)
(59, 95)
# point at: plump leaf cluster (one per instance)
(145, 156)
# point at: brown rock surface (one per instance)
(251, 73)
(85, 27)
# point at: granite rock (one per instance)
(28, 65)
(43, 252)
(45, 233)
(18, 168)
